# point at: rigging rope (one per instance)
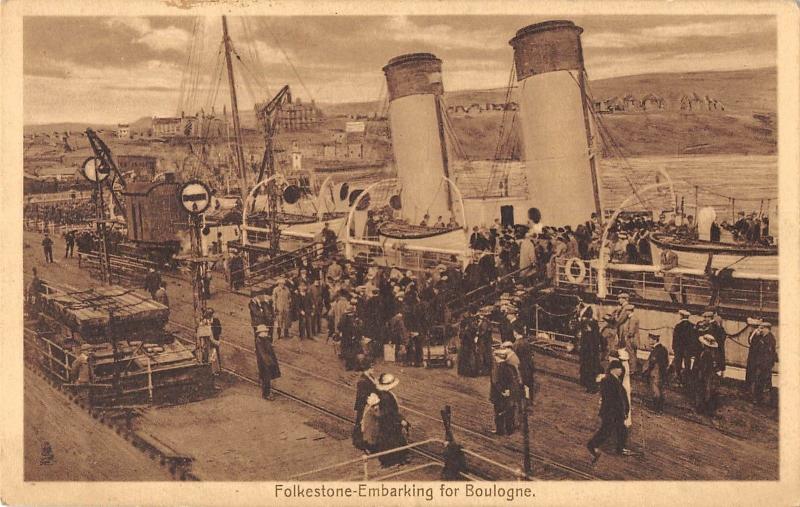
(288, 60)
(501, 142)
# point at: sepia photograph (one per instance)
(403, 256)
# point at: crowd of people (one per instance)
(72, 212)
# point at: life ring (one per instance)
(571, 278)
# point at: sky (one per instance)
(109, 70)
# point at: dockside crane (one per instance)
(268, 115)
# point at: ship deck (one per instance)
(740, 443)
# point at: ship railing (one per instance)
(649, 283)
(487, 291)
(410, 258)
(363, 462)
(284, 263)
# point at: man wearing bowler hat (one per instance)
(613, 411)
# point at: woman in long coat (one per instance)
(467, 350)
(705, 378)
(267, 361)
(391, 425)
(591, 352)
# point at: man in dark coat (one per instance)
(716, 329)
(613, 411)
(305, 312)
(591, 351)
(656, 371)
(69, 237)
(468, 350)
(350, 336)
(47, 246)
(364, 387)
(523, 348)
(504, 393)
(152, 281)
(236, 270)
(760, 360)
(484, 343)
(267, 362)
(258, 307)
(683, 346)
(317, 306)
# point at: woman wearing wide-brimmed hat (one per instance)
(705, 378)
(391, 426)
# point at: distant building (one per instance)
(354, 127)
(298, 116)
(297, 157)
(123, 131)
(143, 166)
(328, 151)
(355, 150)
(167, 126)
(630, 103)
(652, 102)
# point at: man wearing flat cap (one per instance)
(760, 360)
(613, 411)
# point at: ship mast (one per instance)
(237, 131)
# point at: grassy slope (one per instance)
(736, 130)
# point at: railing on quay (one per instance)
(122, 267)
(42, 226)
(364, 460)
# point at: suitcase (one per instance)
(388, 353)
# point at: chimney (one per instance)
(554, 120)
(414, 83)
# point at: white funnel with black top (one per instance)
(562, 179)
(414, 83)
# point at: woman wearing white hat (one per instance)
(705, 378)
(392, 427)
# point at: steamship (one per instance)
(561, 178)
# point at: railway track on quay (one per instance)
(314, 379)
(545, 468)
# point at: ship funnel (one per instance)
(414, 84)
(555, 125)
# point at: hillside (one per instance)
(746, 126)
